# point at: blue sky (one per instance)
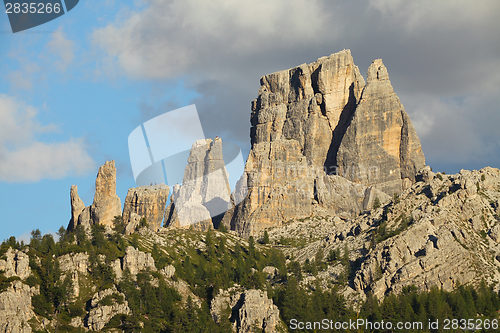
(73, 89)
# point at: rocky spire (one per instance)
(77, 206)
(380, 146)
(205, 190)
(106, 204)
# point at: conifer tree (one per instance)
(265, 239)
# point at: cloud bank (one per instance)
(441, 56)
(25, 158)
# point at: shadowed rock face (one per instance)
(380, 146)
(319, 119)
(148, 202)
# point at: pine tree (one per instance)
(210, 246)
(36, 239)
(265, 239)
(251, 247)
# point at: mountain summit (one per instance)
(322, 120)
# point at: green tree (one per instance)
(119, 225)
(81, 236)
(318, 259)
(135, 241)
(210, 246)
(251, 247)
(395, 198)
(36, 239)
(98, 238)
(265, 239)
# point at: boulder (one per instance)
(135, 261)
(133, 222)
(100, 314)
(252, 307)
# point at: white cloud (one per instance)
(23, 158)
(25, 237)
(58, 54)
(434, 51)
(169, 37)
(420, 15)
(62, 48)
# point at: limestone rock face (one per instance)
(100, 314)
(133, 221)
(309, 103)
(380, 146)
(15, 308)
(135, 261)
(444, 239)
(148, 202)
(345, 196)
(17, 263)
(106, 204)
(72, 264)
(205, 190)
(253, 309)
(77, 206)
(77, 262)
(320, 120)
(280, 186)
(85, 219)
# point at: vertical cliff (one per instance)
(148, 202)
(205, 193)
(380, 146)
(318, 120)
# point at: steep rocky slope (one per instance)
(93, 305)
(443, 231)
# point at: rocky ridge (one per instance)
(442, 231)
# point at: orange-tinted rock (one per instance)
(380, 146)
(106, 204)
